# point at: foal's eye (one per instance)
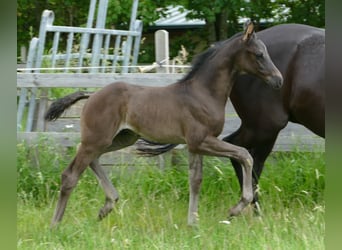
(259, 55)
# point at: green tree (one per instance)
(311, 12)
(75, 13)
(119, 12)
(216, 14)
(221, 16)
(67, 12)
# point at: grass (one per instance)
(152, 210)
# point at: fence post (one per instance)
(128, 45)
(98, 38)
(85, 37)
(161, 38)
(23, 54)
(24, 91)
(138, 26)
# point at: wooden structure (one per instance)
(65, 130)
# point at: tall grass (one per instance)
(152, 210)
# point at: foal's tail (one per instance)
(57, 107)
(149, 148)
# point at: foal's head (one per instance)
(254, 59)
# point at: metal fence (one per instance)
(86, 50)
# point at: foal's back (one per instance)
(155, 113)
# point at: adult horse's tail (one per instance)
(57, 107)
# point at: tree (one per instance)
(67, 12)
(311, 12)
(75, 13)
(221, 16)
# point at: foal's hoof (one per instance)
(103, 213)
(233, 212)
(193, 219)
(230, 217)
(54, 226)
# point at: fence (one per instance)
(105, 66)
(292, 136)
(84, 47)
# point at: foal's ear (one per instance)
(248, 30)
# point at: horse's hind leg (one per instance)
(110, 191)
(70, 177)
(123, 139)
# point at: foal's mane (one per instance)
(203, 57)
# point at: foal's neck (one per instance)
(217, 76)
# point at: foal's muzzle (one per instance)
(275, 81)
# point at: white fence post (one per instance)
(161, 38)
(23, 54)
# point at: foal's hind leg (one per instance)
(110, 191)
(123, 139)
(70, 177)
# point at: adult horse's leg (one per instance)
(215, 147)
(195, 180)
(70, 177)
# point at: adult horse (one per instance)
(190, 111)
(298, 51)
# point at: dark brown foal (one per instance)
(190, 112)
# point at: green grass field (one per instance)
(152, 210)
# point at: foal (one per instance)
(190, 112)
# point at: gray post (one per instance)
(85, 36)
(128, 45)
(23, 54)
(161, 38)
(24, 91)
(100, 24)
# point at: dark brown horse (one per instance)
(298, 51)
(190, 112)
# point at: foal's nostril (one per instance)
(275, 81)
(278, 82)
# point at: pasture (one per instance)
(152, 210)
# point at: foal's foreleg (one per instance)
(195, 180)
(110, 192)
(215, 147)
(244, 137)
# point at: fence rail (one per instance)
(92, 80)
(293, 136)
